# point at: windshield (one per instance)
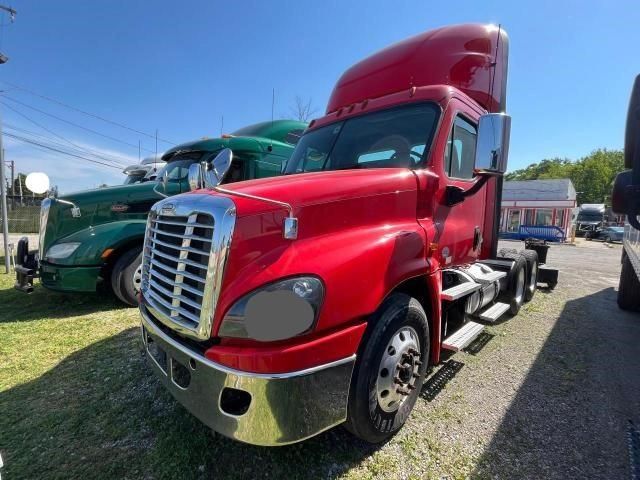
(590, 216)
(177, 168)
(397, 137)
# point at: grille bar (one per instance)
(182, 299)
(173, 258)
(184, 286)
(175, 235)
(167, 305)
(162, 266)
(197, 251)
(184, 224)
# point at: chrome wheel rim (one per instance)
(137, 279)
(520, 286)
(533, 282)
(398, 369)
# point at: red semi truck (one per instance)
(275, 309)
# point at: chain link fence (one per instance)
(23, 214)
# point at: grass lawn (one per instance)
(78, 401)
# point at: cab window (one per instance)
(459, 158)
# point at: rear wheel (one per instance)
(126, 276)
(531, 257)
(389, 372)
(629, 286)
(516, 283)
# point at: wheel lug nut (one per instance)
(416, 375)
(411, 387)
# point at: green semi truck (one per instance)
(95, 237)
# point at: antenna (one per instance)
(273, 104)
(156, 158)
(494, 63)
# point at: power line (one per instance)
(40, 145)
(84, 149)
(45, 97)
(74, 124)
(35, 137)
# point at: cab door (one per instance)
(458, 229)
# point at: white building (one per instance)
(537, 202)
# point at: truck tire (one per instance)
(531, 257)
(516, 283)
(629, 286)
(122, 276)
(390, 369)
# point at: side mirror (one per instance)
(492, 150)
(218, 168)
(196, 176)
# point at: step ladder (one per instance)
(459, 291)
(463, 336)
(493, 312)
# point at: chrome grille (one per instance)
(185, 250)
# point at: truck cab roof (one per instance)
(460, 56)
(282, 131)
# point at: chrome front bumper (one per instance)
(260, 409)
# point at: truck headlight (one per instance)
(276, 311)
(62, 250)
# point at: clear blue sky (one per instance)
(180, 66)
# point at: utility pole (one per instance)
(20, 188)
(3, 184)
(5, 215)
(13, 184)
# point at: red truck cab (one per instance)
(274, 309)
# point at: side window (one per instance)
(460, 154)
(293, 137)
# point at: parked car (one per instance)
(607, 234)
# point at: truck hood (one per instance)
(335, 210)
(96, 209)
(317, 188)
(111, 194)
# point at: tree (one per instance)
(592, 176)
(303, 110)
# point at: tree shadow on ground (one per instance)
(101, 413)
(569, 417)
(42, 303)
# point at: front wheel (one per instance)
(390, 369)
(126, 276)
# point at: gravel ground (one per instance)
(552, 393)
